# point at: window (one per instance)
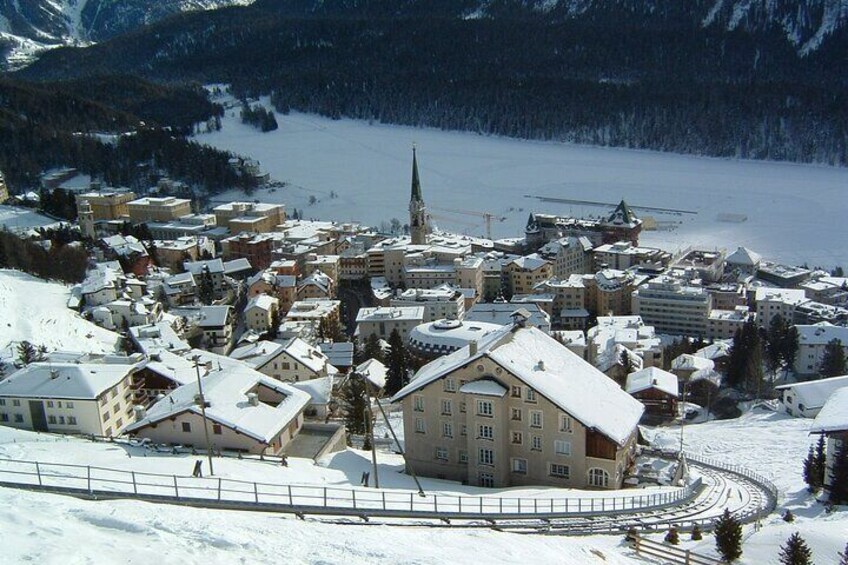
(441, 454)
(187, 427)
(565, 423)
(519, 466)
(50, 404)
(598, 478)
(462, 406)
(487, 457)
(69, 405)
(19, 418)
(463, 456)
(485, 408)
(446, 407)
(418, 403)
(2, 402)
(450, 385)
(62, 421)
(531, 395)
(516, 414)
(4, 417)
(562, 447)
(119, 424)
(72, 420)
(105, 416)
(536, 444)
(59, 404)
(51, 419)
(216, 429)
(560, 471)
(485, 432)
(463, 430)
(419, 426)
(114, 393)
(516, 392)
(16, 402)
(286, 366)
(447, 429)
(517, 438)
(535, 419)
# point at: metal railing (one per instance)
(104, 483)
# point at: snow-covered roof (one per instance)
(65, 380)
(393, 313)
(320, 390)
(258, 354)
(833, 417)
(744, 257)
(339, 354)
(261, 301)
(652, 377)
(715, 350)
(213, 316)
(172, 366)
(374, 371)
(237, 266)
(530, 262)
(157, 337)
(196, 267)
(450, 333)
(500, 313)
(785, 295)
(553, 371)
(688, 362)
(814, 394)
(226, 392)
(484, 387)
(821, 334)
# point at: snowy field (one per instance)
(136, 532)
(35, 310)
(794, 212)
(17, 219)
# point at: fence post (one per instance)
(219, 489)
(291, 500)
(411, 502)
(256, 493)
(89, 478)
(535, 506)
(500, 507)
(460, 504)
(135, 487)
(354, 498)
(519, 506)
(38, 472)
(435, 503)
(325, 497)
(481, 504)
(384, 500)
(176, 488)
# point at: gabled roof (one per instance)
(553, 371)
(814, 394)
(226, 391)
(688, 362)
(197, 267)
(213, 316)
(374, 371)
(261, 301)
(745, 257)
(85, 381)
(652, 377)
(833, 417)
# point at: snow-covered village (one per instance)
(319, 282)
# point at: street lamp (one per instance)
(202, 399)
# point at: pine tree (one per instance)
(372, 349)
(820, 461)
(795, 551)
(744, 364)
(775, 342)
(810, 475)
(355, 398)
(398, 364)
(788, 516)
(839, 475)
(696, 533)
(728, 534)
(843, 557)
(624, 361)
(206, 287)
(27, 353)
(833, 360)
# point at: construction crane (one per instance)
(487, 216)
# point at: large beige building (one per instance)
(72, 398)
(158, 209)
(518, 408)
(250, 217)
(111, 205)
(673, 307)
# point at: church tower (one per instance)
(85, 215)
(417, 210)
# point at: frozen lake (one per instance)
(787, 212)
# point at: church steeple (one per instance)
(416, 184)
(417, 210)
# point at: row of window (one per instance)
(487, 432)
(15, 402)
(71, 421)
(19, 418)
(216, 428)
(485, 408)
(68, 404)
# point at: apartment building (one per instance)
(811, 343)
(673, 307)
(107, 205)
(771, 302)
(439, 303)
(158, 209)
(518, 408)
(383, 321)
(251, 217)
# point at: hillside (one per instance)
(700, 77)
(35, 25)
(36, 311)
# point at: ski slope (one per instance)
(792, 213)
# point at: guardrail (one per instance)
(671, 554)
(104, 483)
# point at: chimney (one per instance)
(54, 373)
(472, 348)
(541, 365)
(140, 412)
(253, 399)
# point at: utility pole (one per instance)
(196, 360)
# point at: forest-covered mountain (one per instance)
(743, 78)
(28, 26)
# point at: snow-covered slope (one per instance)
(34, 310)
(27, 27)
